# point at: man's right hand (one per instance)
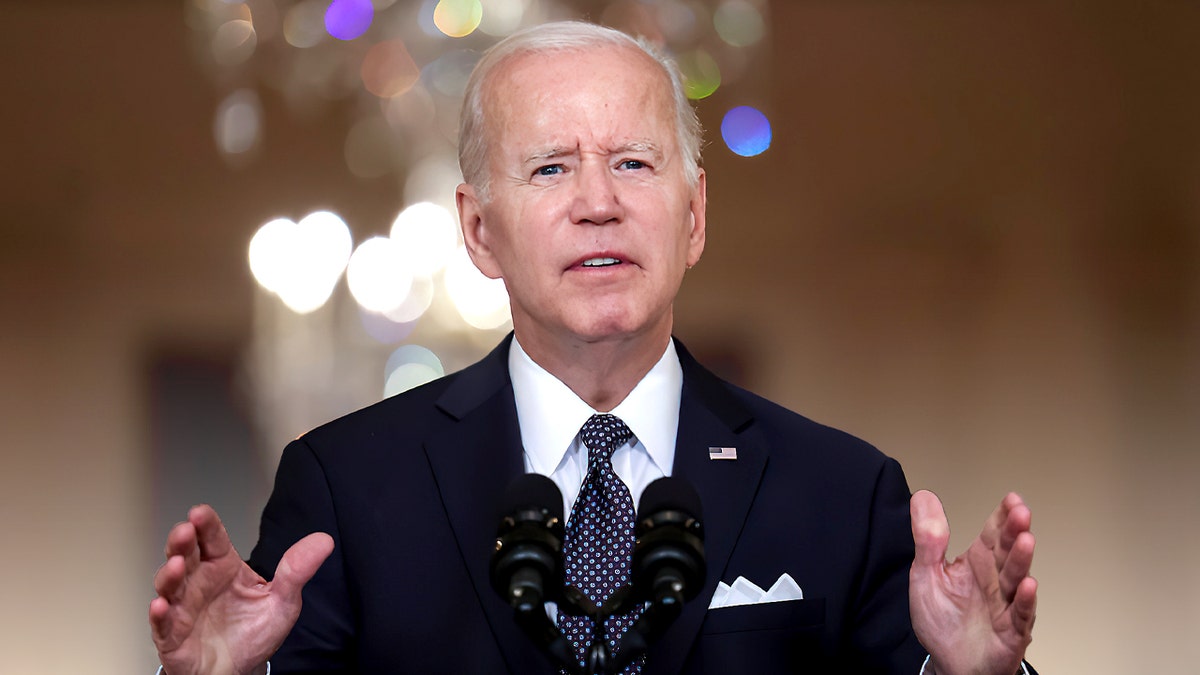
(213, 614)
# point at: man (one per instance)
(584, 194)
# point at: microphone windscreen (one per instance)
(532, 491)
(670, 494)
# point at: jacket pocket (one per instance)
(787, 614)
(763, 639)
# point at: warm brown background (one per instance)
(975, 242)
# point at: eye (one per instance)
(631, 164)
(549, 170)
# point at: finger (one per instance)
(993, 527)
(1018, 519)
(1024, 607)
(160, 622)
(1016, 565)
(210, 532)
(182, 541)
(931, 530)
(168, 581)
(299, 564)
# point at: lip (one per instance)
(578, 263)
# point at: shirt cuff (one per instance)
(1022, 671)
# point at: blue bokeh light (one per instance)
(746, 131)
(348, 19)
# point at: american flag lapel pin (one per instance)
(722, 453)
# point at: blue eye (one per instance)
(633, 164)
(549, 170)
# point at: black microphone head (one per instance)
(532, 491)
(668, 557)
(670, 494)
(526, 563)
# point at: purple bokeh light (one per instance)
(746, 131)
(348, 19)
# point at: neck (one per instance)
(601, 372)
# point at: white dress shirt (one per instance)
(550, 416)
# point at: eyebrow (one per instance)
(565, 151)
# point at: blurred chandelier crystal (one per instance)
(401, 65)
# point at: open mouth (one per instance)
(600, 262)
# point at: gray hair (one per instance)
(564, 36)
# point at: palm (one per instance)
(975, 614)
(214, 614)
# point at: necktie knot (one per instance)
(602, 434)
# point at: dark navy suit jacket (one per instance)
(409, 489)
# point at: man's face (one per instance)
(589, 219)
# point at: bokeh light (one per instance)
(348, 19)
(680, 21)
(449, 72)
(739, 23)
(746, 131)
(420, 297)
(502, 17)
(457, 18)
(237, 126)
(413, 111)
(377, 274)
(304, 24)
(480, 301)
(410, 366)
(427, 235)
(701, 75)
(234, 42)
(265, 17)
(301, 262)
(433, 179)
(388, 70)
(384, 329)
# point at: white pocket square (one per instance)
(745, 592)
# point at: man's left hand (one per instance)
(974, 615)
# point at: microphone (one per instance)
(526, 567)
(668, 558)
(668, 562)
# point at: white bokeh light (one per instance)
(427, 235)
(378, 275)
(237, 127)
(301, 262)
(410, 366)
(420, 297)
(482, 302)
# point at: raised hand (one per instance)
(213, 614)
(974, 615)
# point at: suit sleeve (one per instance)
(883, 622)
(322, 641)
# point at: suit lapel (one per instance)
(710, 416)
(472, 463)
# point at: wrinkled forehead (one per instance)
(604, 88)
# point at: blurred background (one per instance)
(967, 232)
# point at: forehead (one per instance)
(602, 94)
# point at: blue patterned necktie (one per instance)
(598, 550)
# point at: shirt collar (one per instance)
(550, 414)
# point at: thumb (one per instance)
(300, 563)
(931, 530)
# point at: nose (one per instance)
(596, 200)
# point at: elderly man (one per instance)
(584, 194)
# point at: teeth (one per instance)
(600, 262)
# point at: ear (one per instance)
(471, 219)
(699, 204)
